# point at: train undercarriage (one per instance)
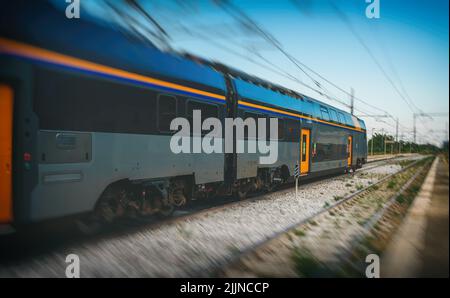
(142, 198)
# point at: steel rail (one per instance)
(250, 249)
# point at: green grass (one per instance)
(405, 163)
(289, 236)
(234, 250)
(338, 198)
(359, 186)
(400, 199)
(308, 266)
(299, 233)
(392, 183)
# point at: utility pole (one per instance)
(352, 101)
(373, 116)
(414, 126)
(396, 130)
(390, 142)
(384, 140)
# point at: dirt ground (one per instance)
(436, 250)
(420, 248)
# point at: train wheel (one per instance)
(89, 226)
(241, 195)
(359, 164)
(166, 211)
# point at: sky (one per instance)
(389, 62)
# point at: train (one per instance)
(85, 123)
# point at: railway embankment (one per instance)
(336, 243)
(196, 243)
(420, 247)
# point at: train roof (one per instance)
(262, 91)
(297, 103)
(41, 24)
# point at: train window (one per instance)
(292, 129)
(342, 118)
(324, 112)
(349, 120)
(304, 147)
(362, 124)
(308, 108)
(255, 117)
(167, 111)
(207, 110)
(329, 152)
(280, 129)
(333, 115)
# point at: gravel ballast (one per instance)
(195, 246)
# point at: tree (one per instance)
(379, 141)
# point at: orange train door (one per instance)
(6, 126)
(304, 151)
(349, 150)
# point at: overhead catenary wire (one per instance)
(358, 37)
(244, 20)
(273, 67)
(247, 21)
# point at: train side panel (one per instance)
(86, 132)
(67, 186)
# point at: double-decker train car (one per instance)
(85, 123)
(321, 138)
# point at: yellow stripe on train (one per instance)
(28, 51)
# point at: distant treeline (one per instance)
(379, 141)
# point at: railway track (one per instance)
(200, 209)
(185, 214)
(197, 209)
(132, 231)
(213, 205)
(236, 261)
